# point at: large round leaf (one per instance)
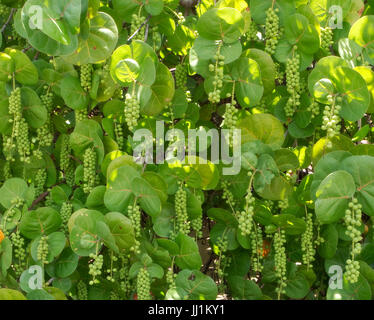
(363, 34)
(368, 75)
(6, 67)
(248, 83)
(153, 99)
(13, 189)
(263, 127)
(362, 170)
(142, 54)
(189, 256)
(41, 41)
(328, 164)
(73, 94)
(148, 197)
(119, 191)
(100, 42)
(122, 230)
(33, 109)
(66, 263)
(84, 239)
(42, 221)
(300, 32)
(333, 195)
(267, 68)
(225, 24)
(25, 72)
(193, 285)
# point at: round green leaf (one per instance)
(73, 94)
(33, 109)
(100, 42)
(263, 127)
(225, 24)
(333, 195)
(119, 191)
(42, 221)
(25, 72)
(248, 86)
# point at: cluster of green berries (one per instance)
(82, 292)
(180, 204)
(40, 179)
(45, 132)
(132, 111)
(19, 251)
(125, 283)
(257, 243)
(280, 259)
(17, 203)
(251, 34)
(223, 261)
(279, 73)
(136, 23)
(15, 104)
(81, 115)
(227, 194)
(283, 204)
(246, 215)
(352, 220)
(89, 170)
(20, 130)
(319, 240)
(197, 225)
(66, 212)
(307, 245)
(118, 131)
(4, 11)
(271, 30)
(47, 99)
(44, 135)
(21, 133)
(42, 250)
(156, 38)
(326, 39)
(136, 247)
(293, 84)
(95, 267)
(8, 217)
(314, 109)
(181, 76)
(7, 172)
(331, 120)
(181, 18)
(112, 270)
(86, 76)
(170, 278)
(66, 164)
(135, 216)
(143, 284)
(230, 115)
(217, 69)
(222, 244)
(257, 250)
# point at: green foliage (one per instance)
(78, 79)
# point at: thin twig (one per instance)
(9, 19)
(146, 32)
(141, 26)
(26, 49)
